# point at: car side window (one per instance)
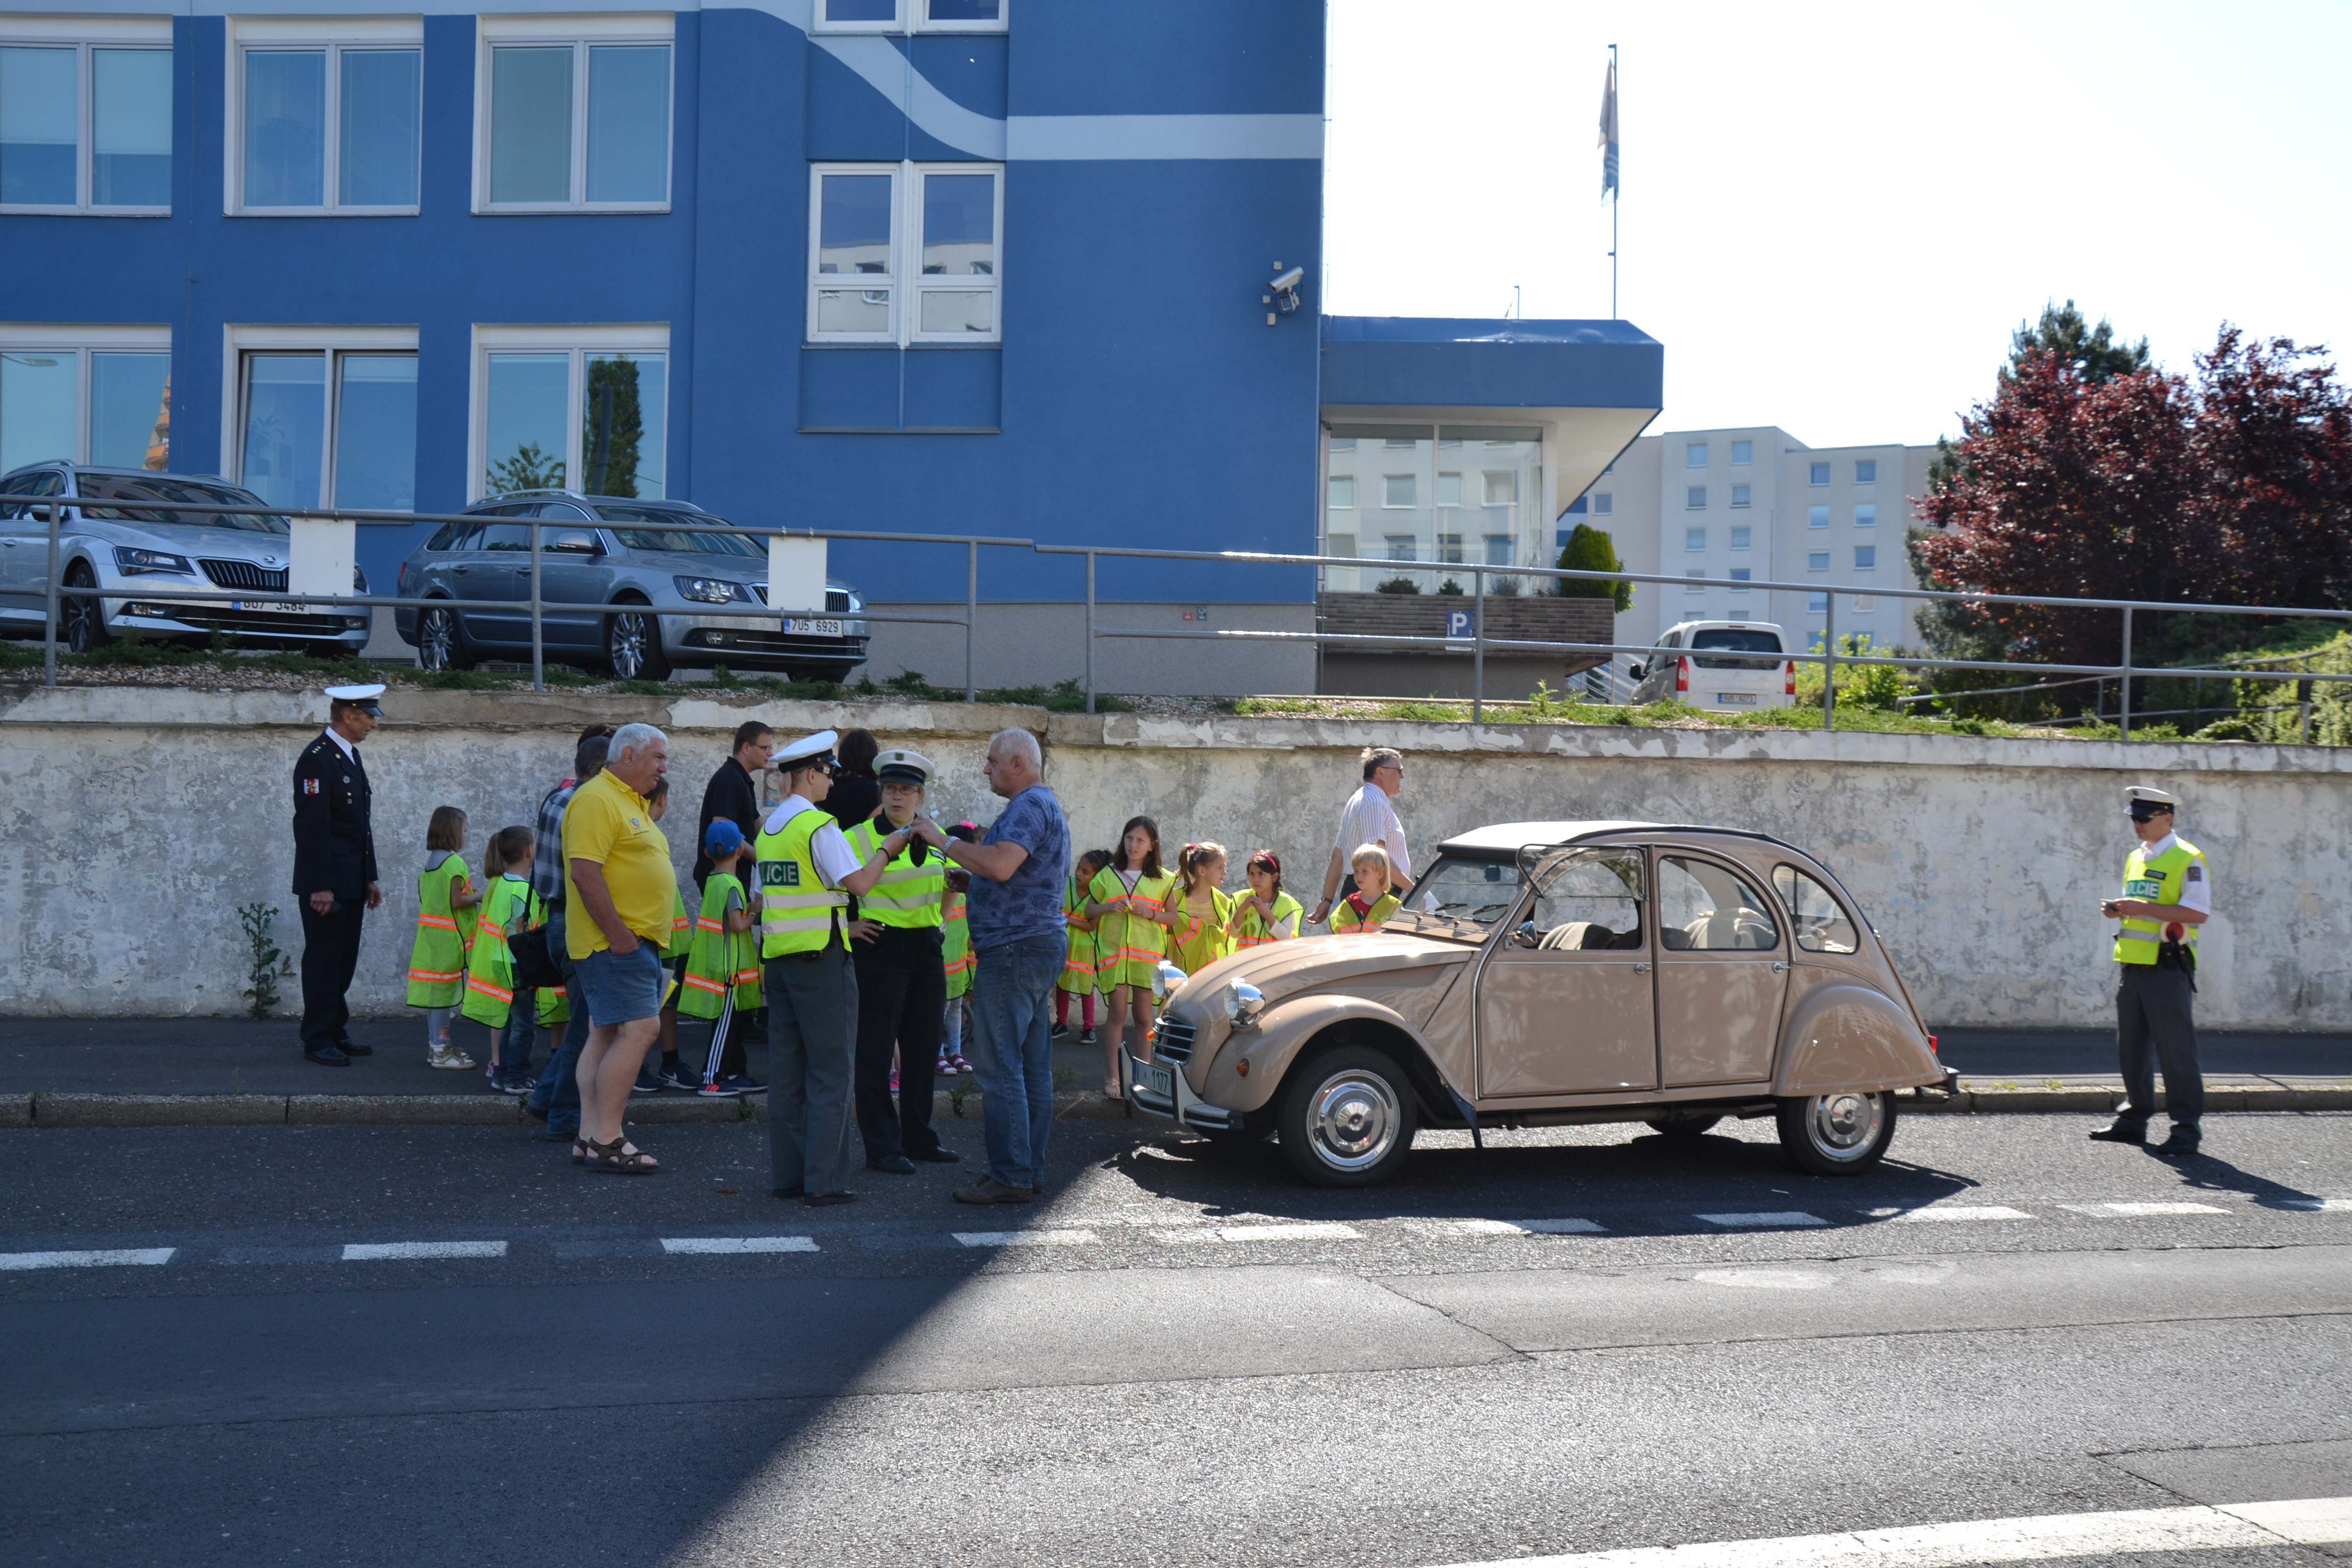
(1705, 907)
(1587, 903)
(504, 536)
(565, 511)
(1821, 922)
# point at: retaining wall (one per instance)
(138, 818)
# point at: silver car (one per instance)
(133, 543)
(625, 554)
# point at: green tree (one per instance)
(2096, 354)
(615, 425)
(526, 469)
(1591, 550)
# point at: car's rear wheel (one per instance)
(441, 640)
(1346, 1118)
(1683, 1126)
(81, 623)
(1840, 1134)
(633, 650)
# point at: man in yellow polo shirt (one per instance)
(621, 889)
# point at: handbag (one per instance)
(533, 966)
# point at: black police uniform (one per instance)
(334, 851)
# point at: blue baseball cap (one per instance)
(721, 838)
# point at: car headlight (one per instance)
(1243, 1003)
(709, 590)
(358, 580)
(855, 604)
(1165, 981)
(137, 563)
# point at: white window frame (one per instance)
(913, 17)
(1694, 497)
(1695, 454)
(1817, 560)
(1865, 514)
(81, 342)
(1413, 505)
(334, 343)
(1743, 495)
(83, 35)
(1332, 502)
(1738, 448)
(1694, 589)
(1604, 504)
(1694, 539)
(581, 32)
(1859, 464)
(905, 279)
(580, 342)
(333, 35)
(1817, 517)
(1740, 577)
(1858, 563)
(1812, 468)
(1743, 538)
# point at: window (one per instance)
(572, 115)
(1695, 454)
(583, 407)
(1742, 574)
(1694, 539)
(1735, 614)
(326, 416)
(1740, 494)
(1695, 497)
(1743, 452)
(925, 229)
(1866, 557)
(1398, 490)
(1817, 601)
(1449, 489)
(323, 115)
(1342, 490)
(1741, 538)
(1588, 903)
(1818, 474)
(1400, 443)
(1449, 549)
(1817, 561)
(86, 115)
(1343, 443)
(1820, 924)
(1866, 472)
(1498, 550)
(1402, 547)
(1603, 504)
(1339, 544)
(1694, 590)
(911, 16)
(87, 394)
(1817, 517)
(1865, 515)
(1705, 907)
(1480, 891)
(1864, 604)
(1502, 485)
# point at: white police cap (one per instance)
(359, 697)
(2149, 795)
(900, 766)
(808, 752)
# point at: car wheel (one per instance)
(1840, 1134)
(633, 650)
(81, 623)
(1683, 1126)
(1346, 1118)
(441, 641)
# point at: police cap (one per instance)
(359, 697)
(2147, 800)
(899, 766)
(808, 752)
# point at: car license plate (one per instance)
(802, 625)
(1153, 1078)
(1736, 698)
(276, 606)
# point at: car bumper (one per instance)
(1181, 1105)
(262, 620)
(755, 645)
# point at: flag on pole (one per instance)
(1609, 136)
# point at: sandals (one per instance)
(1111, 1088)
(617, 1158)
(580, 1150)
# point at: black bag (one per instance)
(534, 966)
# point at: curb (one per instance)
(2104, 1098)
(426, 1109)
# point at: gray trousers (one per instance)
(811, 1055)
(2154, 1022)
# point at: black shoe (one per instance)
(536, 1113)
(1061, 1032)
(2122, 1129)
(352, 1048)
(2181, 1145)
(894, 1165)
(675, 1074)
(825, 1200)
(786, 1191)
(935, 1156)
(326, 1057)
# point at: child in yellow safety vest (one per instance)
(445, 902)
(1265, 914)
(1199, 914)
(510, 908)
(671, 1073)
(723, 967)
(1126, 898)
(1079, 969)
(955, 952)
(1370, 906)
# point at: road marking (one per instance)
(111, 1258)
(2309, 1523)
(732, 1244)
(1024, 1238)
(380, 1251)
(1947, 1212)
(2141, 1211)
(2317, 1205)
(1310, 1232)
(1560, 1226)
(1765, 1278)
(1780, 1220)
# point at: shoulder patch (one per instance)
(2196, 873)
(309, 786)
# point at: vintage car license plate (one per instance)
(1736, 698)
(1153, 1078)
(802, 625)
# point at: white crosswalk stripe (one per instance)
(108, 1257)
(2142, 1211)
(2317, 1205)
(1307, 1232)
(1563, 1226)
(380, 1251)
(1782, 1219)
(1954, 1211)
(1024, 1238)
(722, 1245)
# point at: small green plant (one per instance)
(1398, 586)
(1064, 1076)
(1450, 589)
(459, 681)
(270, 965)
(956, 1094)
(2053, 1083)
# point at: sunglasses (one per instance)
(2142, 813)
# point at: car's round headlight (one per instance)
(1242, 1002)
(1165, 981)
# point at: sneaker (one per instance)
(449, 1056)
(522, 1081)
(718, 1088)
(1088, 1038)
(646, 1082)
(958, 1064)
(675, 1074)
(894, 1080)
(1061, 1032)
(745, 1084)
(943, 1067)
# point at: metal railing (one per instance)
(1476, 645)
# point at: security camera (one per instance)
(1288, 282)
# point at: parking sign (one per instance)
(1457, 622)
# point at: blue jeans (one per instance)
(558, 1089)
(522, 1032)
(1013, 1053)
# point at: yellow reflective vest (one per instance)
(798, 913)
(907, 896)
(2159, 882)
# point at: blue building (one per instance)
(997, 267)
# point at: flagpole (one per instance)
(1617, 199)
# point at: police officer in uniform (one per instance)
(2167, 894)
(902, 982)
(334, 869)
(807, 874)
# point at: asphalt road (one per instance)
(445, 1345)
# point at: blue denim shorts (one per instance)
(622, 987)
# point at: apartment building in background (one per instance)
(1757, 505)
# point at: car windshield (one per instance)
(1737, 639)
(164, 487)
(680, 541)
(1480, 891)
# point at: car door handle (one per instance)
(1640, 968)
(1779, 969)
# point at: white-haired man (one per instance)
(1369, 818)
(620, 890)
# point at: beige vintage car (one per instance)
(1553, 973)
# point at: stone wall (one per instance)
(137, 819)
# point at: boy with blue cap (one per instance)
(721, 978)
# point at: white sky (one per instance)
(1834, 215)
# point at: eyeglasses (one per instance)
(2142, 813)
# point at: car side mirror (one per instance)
(575, 542)
(1636, 671)
(1526, 935)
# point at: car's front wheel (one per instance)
(633, 649)
(1346, 1118)
(441, 640)
(1840, 1134)
(81, 622)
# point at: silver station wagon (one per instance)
(1548, 974)
(634, 556)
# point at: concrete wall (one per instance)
(1045, 643)
(136, 820)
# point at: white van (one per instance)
(1697, 662)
